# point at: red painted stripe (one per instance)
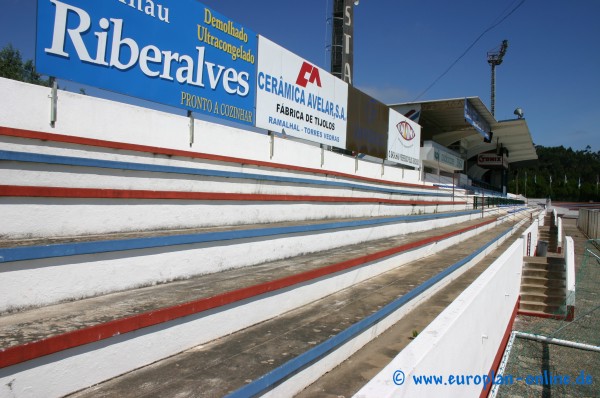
(18, 354)
(94, 193)
(496, 364)
(38, 135)
(543, 316)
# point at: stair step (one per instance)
(543, 299)
(542, 308)
(542, 290)
(95, 310)
(543, 282)
(542, 273)
(544, 267)
(94, 266)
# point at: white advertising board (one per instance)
(298, 98)
(404, 141)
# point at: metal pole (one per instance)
(552, 340)
(53, 101)
(493, 101)
(482, 203)
(191, 117)
(453, 175)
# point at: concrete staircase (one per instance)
(543, 288)
(549, 233)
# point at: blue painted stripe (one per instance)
(118, 165)
(73, 249)
(277, 375)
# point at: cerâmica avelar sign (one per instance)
(178, 53)
(299, 98)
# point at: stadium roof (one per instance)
(444, 122)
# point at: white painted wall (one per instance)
(533, 229)
(85, 116)
(463, 340)
(570, 267)
(560, 233)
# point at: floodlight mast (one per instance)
(495, 59)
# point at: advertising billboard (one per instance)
(476, 120)
(404, 140)
(298, 98)
(178, 53)
(368, 123)
(491, 160)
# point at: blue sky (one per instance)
(550, 69)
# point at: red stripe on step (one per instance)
(94, 193)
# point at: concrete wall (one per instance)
(570, 268)
(589, 222)
(463, 340)
(530, 239)
(85, 116)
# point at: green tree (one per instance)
(581, 169)
(13, 67)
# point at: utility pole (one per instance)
(494, 59)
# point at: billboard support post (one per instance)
(191, 117)
(53, 101)
(453, 184)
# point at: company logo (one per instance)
(406, 131)
(308, 74)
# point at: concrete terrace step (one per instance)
(541, 308)
(50, 166)
(554, 299)
(23, 140)
(229, 363)
(43, 274)
(125, 211)
(321, 224)
(544, 266)
(543, 282)
(350, 376)
(542, 290)
(181, 189)
(39, 335)
(23, 327)
(544, 273)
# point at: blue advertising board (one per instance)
(476, 120)
(174, 52)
